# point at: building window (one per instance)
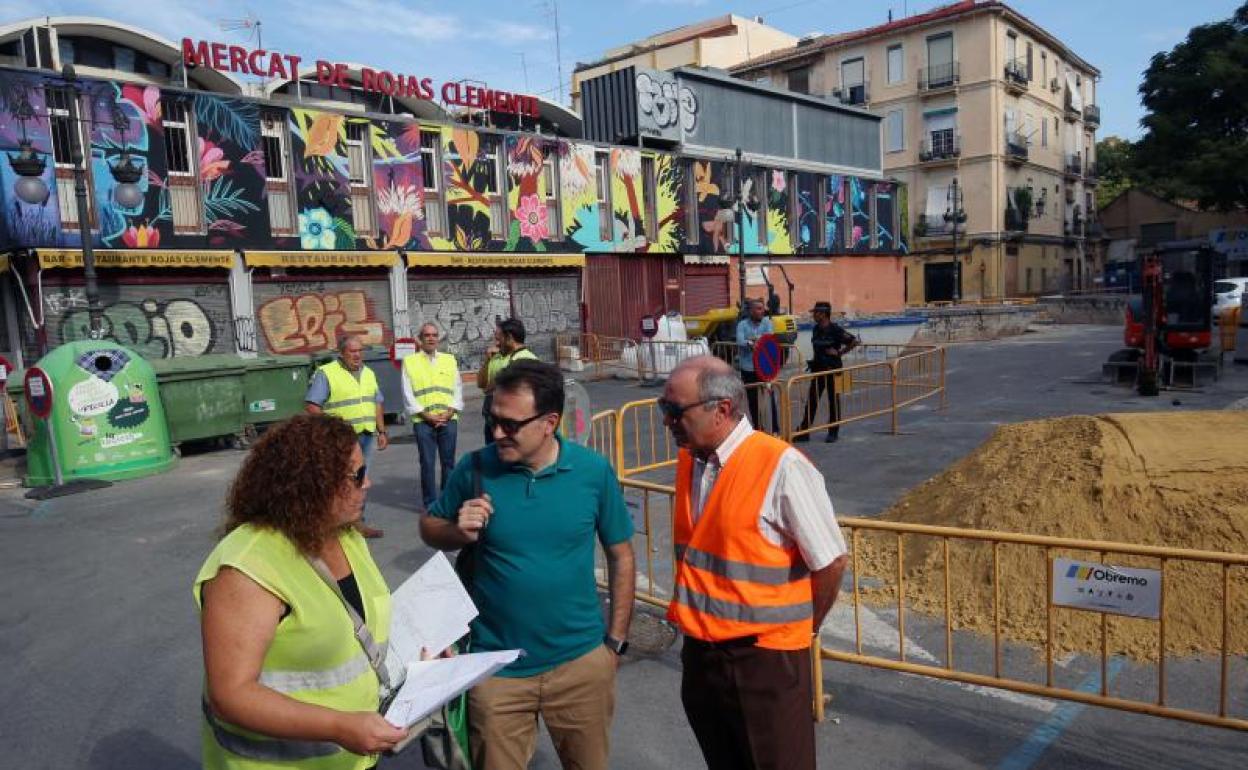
(795, 212)
(602, 193)
(277, 188)
(799, 80)
(1044, 67)
(940, 57)
(1030, 62)
(649, 201)
(854, 81)
(180, 162)
(359, 175)
(66, 134)
(494, 191)
(431, 173)
(1044, 132)
(761, 195)
(896, 64)
(550, 193)
(895, 130)
(692, 225)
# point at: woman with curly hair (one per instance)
(292, 679)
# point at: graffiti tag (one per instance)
(311, 322)
(153, 329)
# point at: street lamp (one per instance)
(28, 164)
(125, 172)
(955, 215)
(80, 194)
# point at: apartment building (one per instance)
(981, 104)
(722, 41)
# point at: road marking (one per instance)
(878, 634)
(1062, 717)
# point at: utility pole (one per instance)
(738, 183)
(954, 214)
(77, 157)
(558, 49)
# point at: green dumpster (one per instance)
(203, 396)
(107, 420)
(274, 388)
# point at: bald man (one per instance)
(759, 558)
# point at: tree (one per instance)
(1114, 159)
(1195, 143)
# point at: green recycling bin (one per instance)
(274, 388)
(203, 396)
(107, 420)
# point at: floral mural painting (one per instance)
(30, 214)
(860, 212)
(470, 178)
(399, 180)
(531, 205)
(323, 194)
(807, 209)
(885, 214)
(669, 212)
(834, 213)
(580, 202)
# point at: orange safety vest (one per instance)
(730, 580)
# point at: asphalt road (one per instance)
(101, 647)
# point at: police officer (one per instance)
(346, 388)
(830, 343)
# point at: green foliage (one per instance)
(1196, 127)
(231, 119)
(1115, 158)
(222, 200)
(344, 234)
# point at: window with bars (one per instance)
(359, 176)
(66, 133)
(795, 210)
(760, 194)
(493, 189)
(277, 182)
(550, 194)
(180, 163)
(692, 227)
(431, 172)
(650, 213)
(602, 192)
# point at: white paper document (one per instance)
(430, 683)
(431, 610)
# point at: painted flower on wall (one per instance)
(316, 229)
(576, 169)
(533, 221)
(398, 199)
(212, 161)
(322, 138)
(141, 237)
(524, 156)
(777, 181)
(702, 181)
(147, 100)
(626, 163)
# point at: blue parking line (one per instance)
(1062, 717)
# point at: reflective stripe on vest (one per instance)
(731, 581)
(266, 749)
(433, 382)
(352, 400)
(294, 681)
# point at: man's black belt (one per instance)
(723, 644)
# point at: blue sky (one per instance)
(511, 43)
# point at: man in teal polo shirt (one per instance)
(543, 503)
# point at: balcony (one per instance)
(1070, 112)
(854, 95)
(1090, 176)
(1016, 147)
(939, 78)
(1092, 115)
(1016, 76)
(1074, 167)
(936, 226)
(940, 148)
(1018, 209)
(1073, 228)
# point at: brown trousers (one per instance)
(576, 701)
(749, 707)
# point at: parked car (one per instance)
(1227, 293)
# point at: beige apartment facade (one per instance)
(977, 93)
(719, 42)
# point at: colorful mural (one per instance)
(834, 214)
(311, 317)
(885, 216)
(860, 215)
(322, 193)
(30, 215)
(399, 187)
(806, 230)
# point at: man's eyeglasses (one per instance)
(674, 411)
(511, 427)
(358, 476)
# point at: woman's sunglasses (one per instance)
(358, 476)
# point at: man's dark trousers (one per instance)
(818, 386)
(749, 707)
(434, 445)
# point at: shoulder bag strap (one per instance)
(375, 653)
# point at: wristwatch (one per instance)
(618, 646)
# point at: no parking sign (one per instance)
(768, 357)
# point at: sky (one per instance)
(511, 44)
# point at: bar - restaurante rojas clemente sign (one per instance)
(275, 65)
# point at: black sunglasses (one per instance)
(674, 411)
(511, 427)
(358, 476)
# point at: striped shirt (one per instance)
(797, 509)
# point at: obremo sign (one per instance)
(1105, 588)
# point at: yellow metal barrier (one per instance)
(1179, 564)
(644, 443)
(794, 361)
(861, 392)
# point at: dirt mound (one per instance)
(1178, 480)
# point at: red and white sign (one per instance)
(5, 368)
(38, 393)
(401, 349)
(275, 65)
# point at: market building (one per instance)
(228, 216)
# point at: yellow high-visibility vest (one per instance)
(433, 382)
(353, 400)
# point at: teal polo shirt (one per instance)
(534, 577)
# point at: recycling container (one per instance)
(107, 419)
(203, 396)
(274, 388)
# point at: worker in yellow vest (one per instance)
(508, 346)
(759, 558)
(434, 396)
(346, 388)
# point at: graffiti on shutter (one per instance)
(311, 316)
(464, 310)
(548, 306)
(154, 320)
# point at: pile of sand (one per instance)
(1175, 479)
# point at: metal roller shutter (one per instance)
(602, 295)
(306, 315)
(548, 305)
(156, 320)
(705, 288)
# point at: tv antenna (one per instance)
(249, 25)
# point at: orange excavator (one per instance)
(1171, 320)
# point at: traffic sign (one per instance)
(768, 357)
(5, 369)
(38, 393)
(402, 348)
(649, 326)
